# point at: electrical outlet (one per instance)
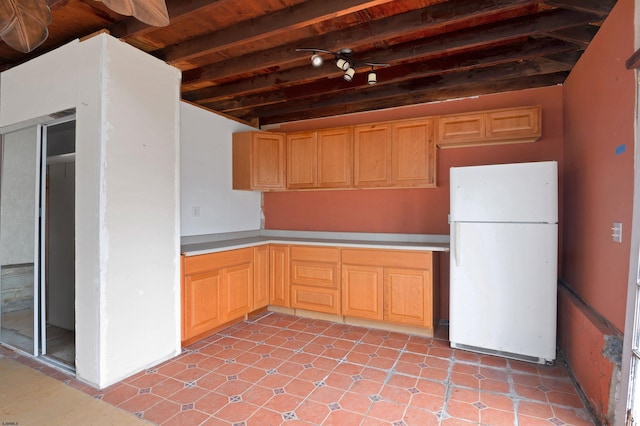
(616, 232)
(195, 211)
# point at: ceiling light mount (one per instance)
(343, 60)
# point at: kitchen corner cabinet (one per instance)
(260, 276)
(395, 154)
(279, 275)
(512, 125)
(394, 286)
(259, 161)
(319, 159)
(217, 288)
(315, 278)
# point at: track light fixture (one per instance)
(344, 61)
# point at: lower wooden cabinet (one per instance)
(279, 275)
(260, 276)
(315, 278)
(408, 297)
(394, 286)
(237, 291)
(201, 303)
(216, 288)
(362, 291)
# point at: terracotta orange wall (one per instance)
(599, 104)
(422, 211)
(599, 98)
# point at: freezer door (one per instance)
(503, 288)
(523, 192)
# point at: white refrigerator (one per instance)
(504, 250)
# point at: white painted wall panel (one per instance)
(41, 86)
(141, 211)
(127, 196)
(205, 176)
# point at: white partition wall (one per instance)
(209, 205)
(127, 196)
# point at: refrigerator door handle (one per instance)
(456, 242)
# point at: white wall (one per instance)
(127, 196)
(140, 228)
(205, 176)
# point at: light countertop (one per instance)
(204, 244)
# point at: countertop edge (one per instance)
(231, 244)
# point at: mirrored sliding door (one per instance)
(20, 183)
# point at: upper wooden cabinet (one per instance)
(372, 155)
(413, 153)
(511, 125)
(395, 154)
(258, 161)
(319, 159)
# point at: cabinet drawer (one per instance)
(315, 299)
(393, 258)
(315, 253)
(316, 274)
(208, 262)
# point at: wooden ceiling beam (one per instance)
(424, 96)
(178, 11)
(431, 17)
(457, 41)
(581, 35)
(279, 22)
(521, 51)
(601, 8)
(375, 94)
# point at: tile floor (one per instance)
(276, 369)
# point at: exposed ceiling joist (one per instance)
(239, 58)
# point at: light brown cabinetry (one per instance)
(395, 154)
(413, 153)
(511, 125)
(200, 303)
(279, 275)
(258, 161)
(315, 278)
(362, 291)
(319, 159)
(372, 155)
(260, 276)
(395, 286)
(217, 288)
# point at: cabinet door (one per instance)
(260, 276)
(279, 275)
(514, 124)
(413, 154)
(362, 291)
(302, 160)
(408, 297)
(372, 155)
(460, 130)
(335, 158)
(267, 160)
(237, 291)
(201, 303)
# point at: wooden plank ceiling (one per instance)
(239, 57)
